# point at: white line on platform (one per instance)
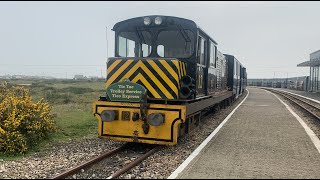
(203, 144)
(310, 133)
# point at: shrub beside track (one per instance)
(23, 123)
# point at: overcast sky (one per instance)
(62, 39)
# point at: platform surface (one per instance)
(262, 139)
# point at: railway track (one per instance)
(105, 155)
(308, 106)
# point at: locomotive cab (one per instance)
(162, 49)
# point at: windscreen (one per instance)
(170, 43)
(134, 44)
(175, 43)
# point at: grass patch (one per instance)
(75, 121)
(77, 90)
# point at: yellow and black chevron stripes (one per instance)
(181, 66)
(160, 77)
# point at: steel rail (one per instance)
(133, 163)
(88, 163)
(304, 101)
(292, 97)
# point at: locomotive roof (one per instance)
(171, 20)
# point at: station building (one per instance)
(314, 64)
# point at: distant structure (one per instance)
(79, 77)
(17, 77)
(295, 83)
(76, 77)
(314, 64)
(25, 77)
(93, 78)
(5, 77)
(89, 78)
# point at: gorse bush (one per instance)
(23, 123)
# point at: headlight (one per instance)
(108, 115)
(155, 119)
(158, 20)
(147, 21)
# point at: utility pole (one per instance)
(310, 77)
(107, 40)
(274, 76)
(287, 80)
(107, 50)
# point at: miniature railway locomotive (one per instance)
(166, 73)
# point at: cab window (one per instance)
(201, 51)
(134, 44)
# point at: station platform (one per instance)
(262, 139)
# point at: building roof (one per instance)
(309, 63)
(314, 60)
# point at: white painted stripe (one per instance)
(310, 133)
(314, 100)
(202, 145)
(259, 105)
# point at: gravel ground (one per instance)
(60, 157)
(55, 159)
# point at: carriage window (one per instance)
(236, 68)
(201, 48)
(212, 55)
(134, 44)
(175, 43)
(223, 67)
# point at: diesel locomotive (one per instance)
(165, 74)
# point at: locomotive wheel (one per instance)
(229, 101)
(216, 108)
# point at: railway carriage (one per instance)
(237, 76)
(165, 74)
